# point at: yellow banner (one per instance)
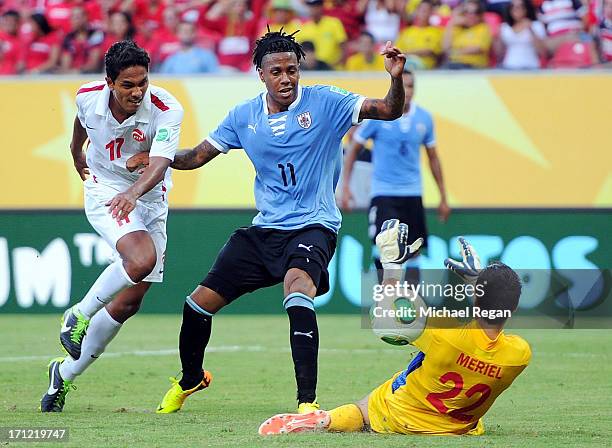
(506, 140)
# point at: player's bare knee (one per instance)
(123, 310)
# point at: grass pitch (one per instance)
(562, 399)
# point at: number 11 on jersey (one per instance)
(284, 175)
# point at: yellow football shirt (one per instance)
(476, 36)
(358, 63)
(421, 38)
(450, 384)
(328, 35)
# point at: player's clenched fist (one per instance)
(138, 162)
(394, 60)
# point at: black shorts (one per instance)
(408, 209)
(256, 257)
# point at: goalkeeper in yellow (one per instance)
(458, 372)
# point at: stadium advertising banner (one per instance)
(49, 259)
(505, 140)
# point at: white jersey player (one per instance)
(120, 117)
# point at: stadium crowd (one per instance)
(200, 36)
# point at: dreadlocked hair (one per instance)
(276, 42)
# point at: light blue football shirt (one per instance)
(396, 154)
(297, 154)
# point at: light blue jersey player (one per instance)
(296, 154)
(292, 135)
(396, 179)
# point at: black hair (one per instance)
(11, 13)
(501, 290)
(276, 42)
(42, 23)
(131, 28)
(122, 55)
(370, 35)
(480, 11)
(308, 45)
(530, 12)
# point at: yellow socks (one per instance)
(346, 418)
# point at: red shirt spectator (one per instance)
(41, 54)
(59, 13)
(164, 41)
(82, 47)
(605, 32)
(120, 27)
(10, 45)
(562, 16)
(350, 13)
(237, 26)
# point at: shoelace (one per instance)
(79, 330)
(61, 397)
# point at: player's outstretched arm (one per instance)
(392, 105)
(79, 135)
(190, 159)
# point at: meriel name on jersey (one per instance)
(155, 127)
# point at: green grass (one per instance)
(562, 399)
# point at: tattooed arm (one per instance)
(186, 159)
(190, 159)
(392, 105)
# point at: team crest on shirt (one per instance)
(304, 120)
(138, 135)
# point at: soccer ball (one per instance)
(394, 320)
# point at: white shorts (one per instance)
(148, 216)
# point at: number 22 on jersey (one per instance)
(437, 398)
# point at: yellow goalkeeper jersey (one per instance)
(450, 384)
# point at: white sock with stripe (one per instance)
(112, 280)
(102, 329)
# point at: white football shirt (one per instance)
(155, 127)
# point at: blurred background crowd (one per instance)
(202, 36)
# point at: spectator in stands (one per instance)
(520, 44)
(383, 18)
(59, 13)
(563, 20)
(421, 42)
(164, 40)
(237, 26)
(120, 27)
(310, 61)
(82, 47)
(350, 12)
(604, 33)
(42, 52)
(281, 15)
(467, 39)
(10, 45)
(190, 59)
(366, 58)
(326, 33)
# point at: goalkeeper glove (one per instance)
(470, 267)
(392, 241)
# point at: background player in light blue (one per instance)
(292, 134)
(396, 158)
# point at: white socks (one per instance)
(102, 329)
(110, 282)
